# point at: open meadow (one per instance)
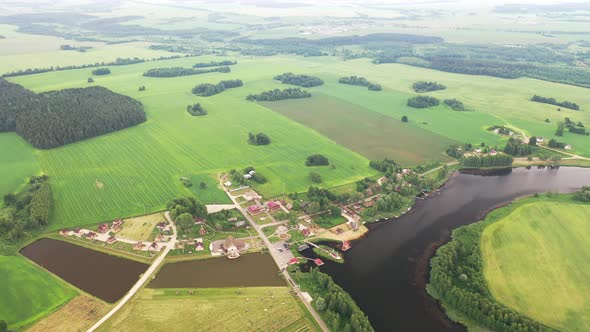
(18, 163)
(28, 292)
(536, 261)
(212, 309)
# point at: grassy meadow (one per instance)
(119, 174)
(140, 228)
(536, 261)
(212, 309)
(28, 292)
(19, 162)
(77, 315)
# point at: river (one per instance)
(386, 271)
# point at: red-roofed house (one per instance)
(318, 262)
(111, 240)
(273, 206)
(103, 228)
(345, 245)
(90, 235)
(293, 261)
(254, 209)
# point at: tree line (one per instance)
(360, 81)
(336, 307)
(487, 161)
(101, 71)
(456, 276)
(427, 86)
(555, 144)
(196, 110)
(305, 81)
(117, 62)
(180, 71)
(56, 118)
(215, 64)
(552, 101)
(26, 213)
(207, 89)
(276, 94)
(422, 102)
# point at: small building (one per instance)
(252, 172)
(77, 230)
(540, 139)
(153, 246)
(305, 232)
(161, 225)
(273, 205)
(118, 222)
(318, 262)
(199, 221)
(138, 245)
(227, 184)
(493, 153)
(199, 244)
(240, 223)
(567, 147)
(203, 230)
(232, 219)
(345, 245)
(63, 232)
(247, 176)
(232, 247)
(90, 235)
(354, 225)
(478, 150)
(103, 228)
(111, 240)
(293, 261)
(254, 209)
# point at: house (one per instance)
(540, 139)
(90, 235)
(199, 244)
(111, 240)
(493, 153)
(138, 245)
(354, 225)
(254, 209)
(568, 147)
(117, 222)
(153, 246)
(161, 225)
(63, 232)
(293, 261)
(478, 150)
(345, 245)
(103, 228)
(252, 172)
(232, 247)
(273, 205)
(77, 230)
(247, 176)
(305, 232)
(227, 184)
(202, 231)
(318, 262)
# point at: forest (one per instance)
(56, 118)
(360, 81)
(215, 64)
(422, 102)
(180, 71)
(207, 89)
(552, 101)
(305, 81)
(196, 110)
(426, 86)
(276, 94)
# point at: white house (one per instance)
(252, 172)
(568, 147)
(247, 176)
(540, 139)
(227, 184)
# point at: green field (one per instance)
(18, 162)
(371, 134)
(212, 309)
(536, 261)
(212, 194)
(28, 292)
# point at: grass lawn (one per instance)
(212, 194)
(29, 292)
(77, 315)
(18, 163)
(140, 228)
(212, 309)
(536, 261)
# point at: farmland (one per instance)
(212, 309)
(536, 259)
(33, 292)
(77, 315)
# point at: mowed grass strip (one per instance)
(211, 309)
(18, 163)
(140, 228)
(77, 315)
(537, 261)
(28, 292)
(371, 134)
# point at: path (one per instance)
(280, 261)
(439, 167)
(145, 277)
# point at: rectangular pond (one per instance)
(99, 274)
(250, 270)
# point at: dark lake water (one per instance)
(249, 270)
(386, 271)
(104, 276)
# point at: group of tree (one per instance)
(141, 88)
(215, 64)
(455, 105)
(552, 101)
(27, 212)
(422, 102)
(101, 71)
(499, 160)
(240, 178)
(305, 81)
(426, 86)
(184, 210)
(68, 47)
(583, 195)
(575, 128)
(56, 118)
(515, 147)
(315, 177)
(455, 151)
(456, 276)
(555, 144)
(258, 139)
(336, 307)
(117, 62)
(501, 130)
(387, 166)
(207, 89)
(180, 71)
(317, 160)
(361, 81)
(196, 110)
(276, 94)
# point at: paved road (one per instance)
(145, 277)
(281, 261)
